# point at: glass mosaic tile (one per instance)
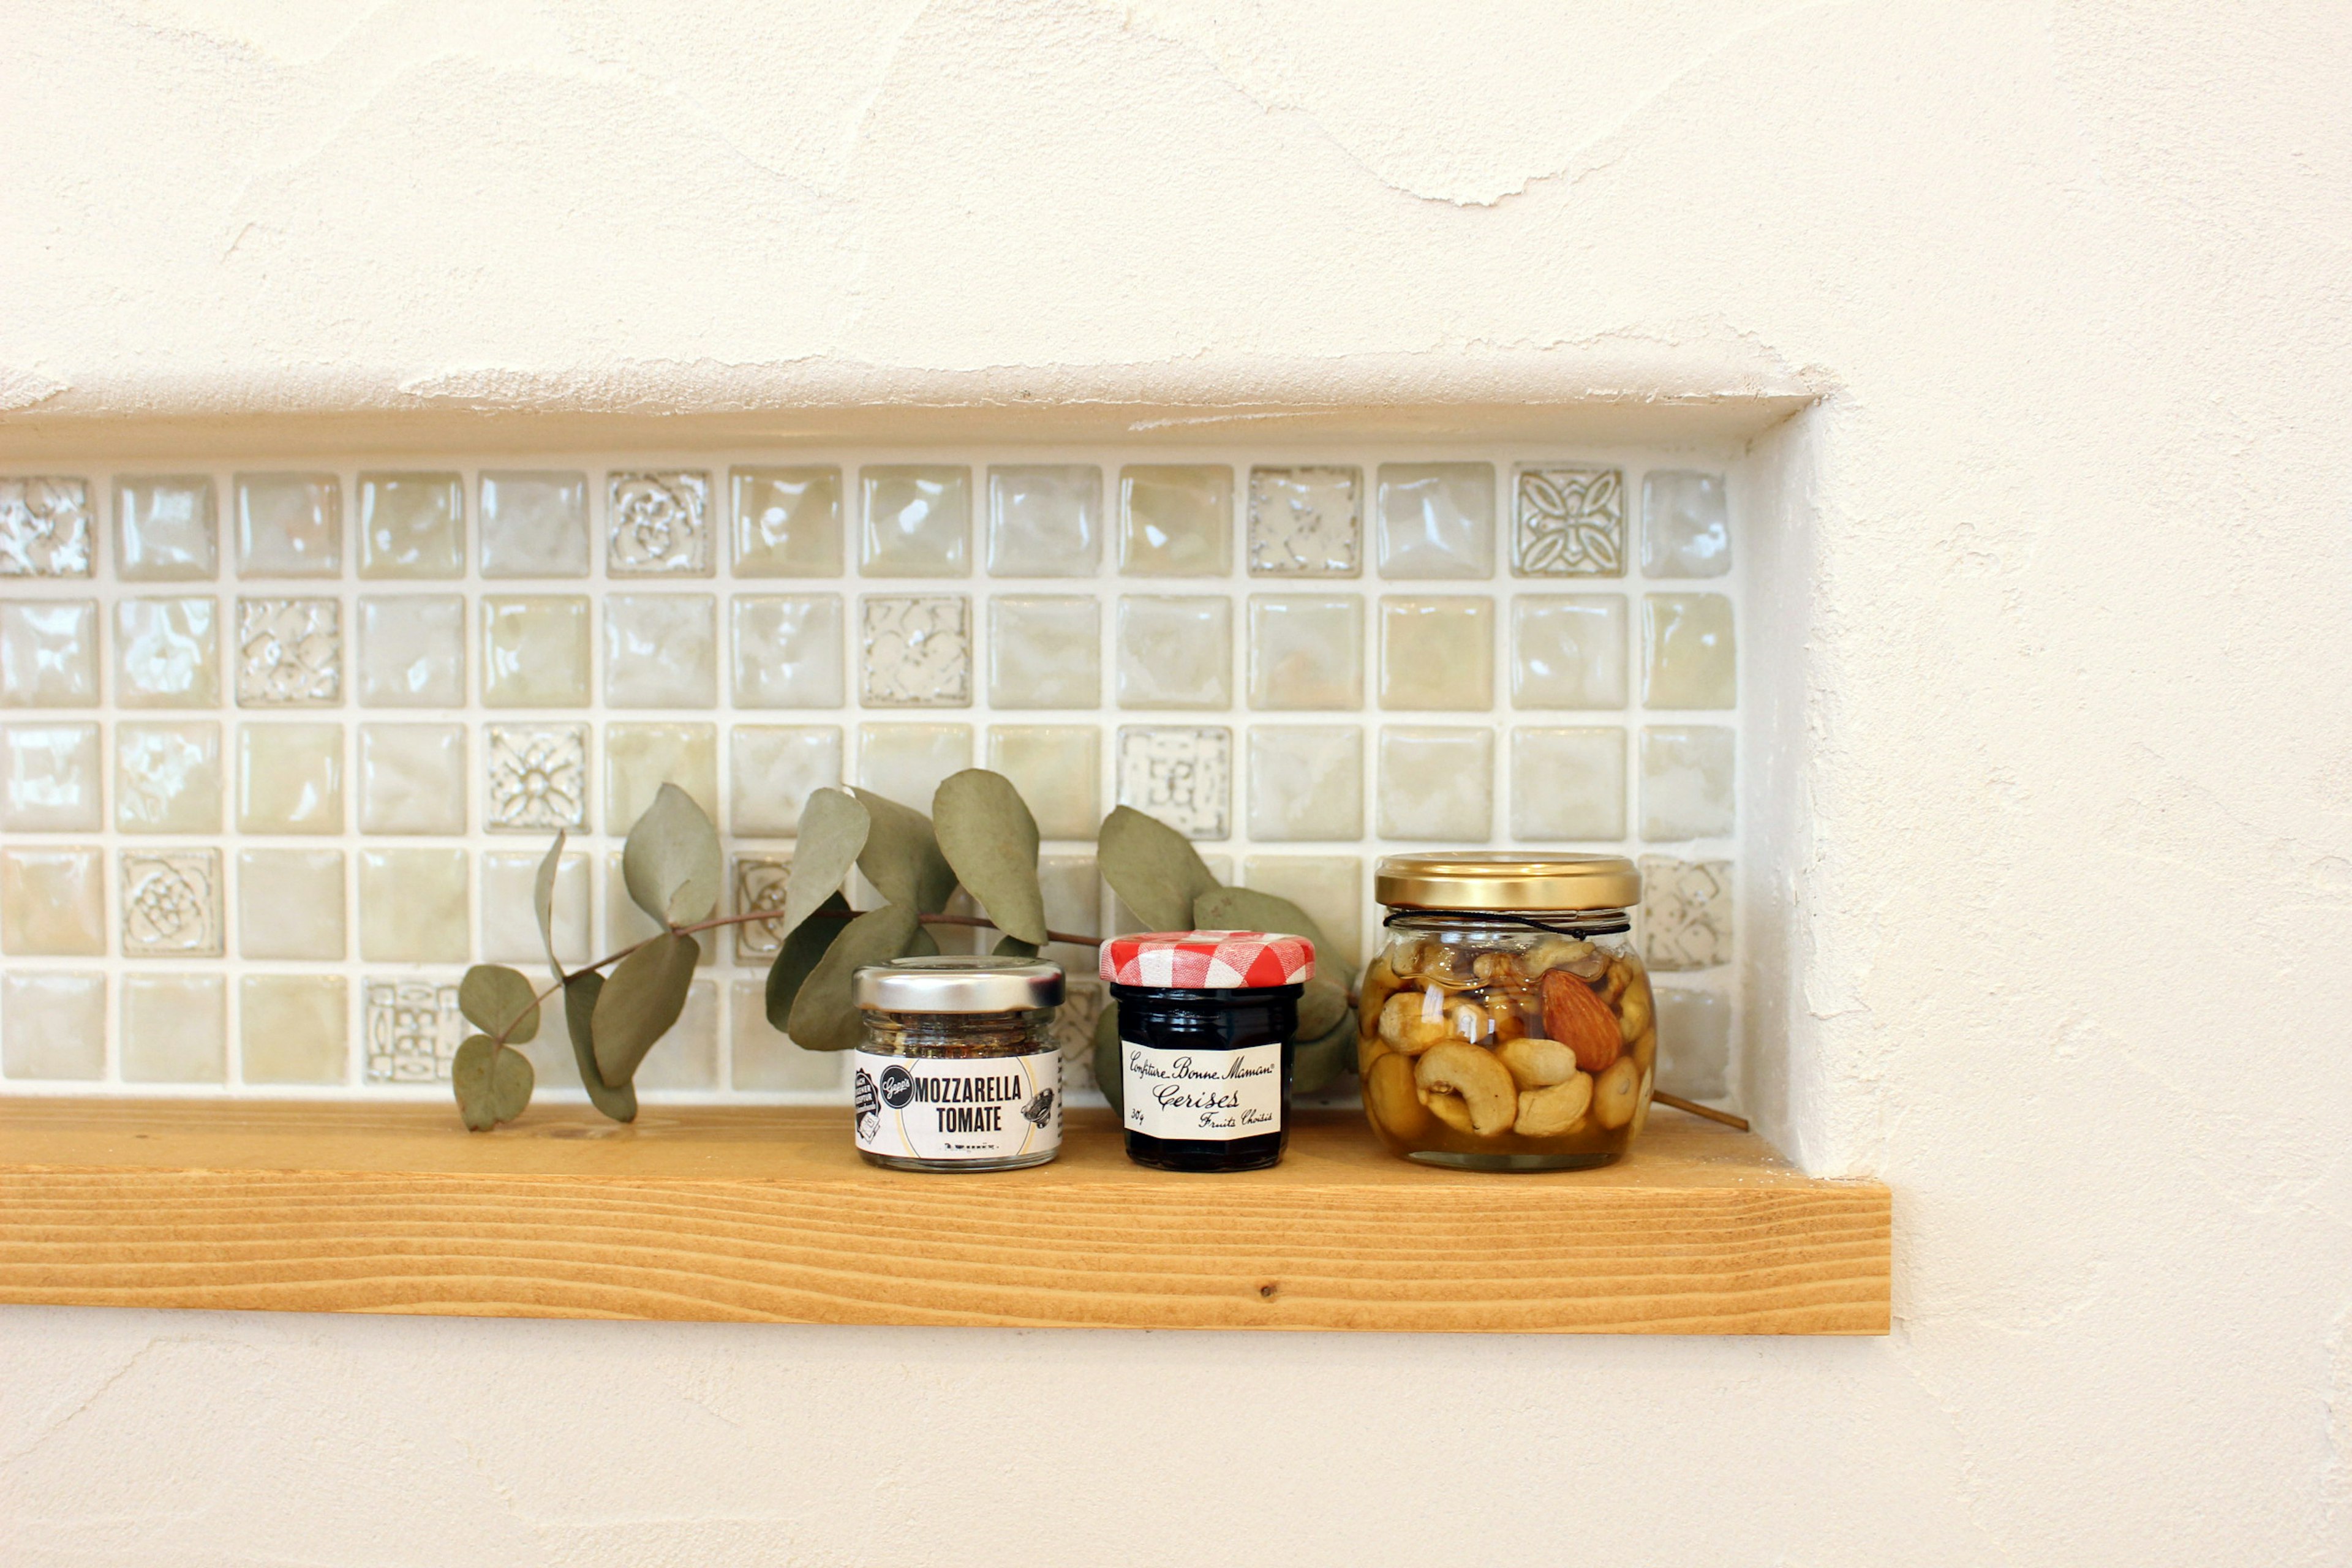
(290, 653)
(640, 758)
(45, 527)
(1058, 768)
(289, 904)
(293, 1028)
(52, 1026)
(773, 769)
(1437, 783)
(538, 777)
(1330, 887)
(1568, 650)
(788, 651)
(48, 653)
(1568, 522)
(766, 1060)
(52, 902)
(1176, 520)
(412, 778)
(1687, 653)
(1183, 776)
(1306, 782)
(167, 528)
(787, 523)
(1045, 651)
(168, 777)
(1044, 521)
(1306, 523)
(1175, 651)
(412, 525)
(917, 521)
(1437, 520)
(1305, 650)
(905, 762)
(657, 524)
(171, 904)
(413, 907)
(1687, 776)
(535, 523)
(1694, 1043)
(1686, 913)
(175, 1028)
(411, 651)
(289, 525)
(1437, 653)
(1568, 784)
(1072, 887)
(1685, 528)
(661, 650)
(917, 651)
(49, 777)
(290, 779)
(166, 653)
(511, 920)
(414, 1030)
(535, 650)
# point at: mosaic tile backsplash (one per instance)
(280, 747)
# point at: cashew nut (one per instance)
(1580, 958)
(1370, 1048)
(1447, 966)
(1380, 984)
(1484, 1084)
(1495, 968)
(1633, 1011)
(1450, 1109)
(1642, 1106)
(1547, 1112)
(1538, 1063)
(1412, 1021)
(1617, 1094)
(1620, 975)
(1392, 1100)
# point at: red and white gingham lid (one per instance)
(1208, 960)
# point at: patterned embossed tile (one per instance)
(1437, 520)
(412, 778)
(657, 524)
(788, 651)
(290, 779)
(534, 523)
(1305, 650)
(1045, 651)
(1175, 651)
(1182, 774)
(1686, 913)
(1073, 1031)
(168, 777)
(1568, 521)
(917, 521)
(289, 904)
(1306, 782)
(167, 528)
(52, 902)
(49, 777)
(414, 1030)
(289, 525)
(1568, 784)
(1306, 523)
(760, 887)
(1688, 771)
(917, 650)
(48, 653)
(1568, 650)
(661, 650)
(1175, 520)
(535, 650)
(1685, 527)
(1058, 768)
(1437, 783)
(773, 769)
(412, 525)
(538, 777)
(414, 906)
(1688, 654)
(640, 758)
(412, 650)
(171, 904)
(510, 918)
(44, 527)
(52, 1026)
(787, 523)
(1437, 653)
(294, 1028)
(1044, 520)
(175, 1028)
(904, 763)
(290, 653)
(167, 653)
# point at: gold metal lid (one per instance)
(1506, 880)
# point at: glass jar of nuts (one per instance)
(1506, 1024)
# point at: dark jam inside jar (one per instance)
(1191, 1040)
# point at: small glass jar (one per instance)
(1205, 1021)
(957, 1071)
(1506, 1024)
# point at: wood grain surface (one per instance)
(768, 1215)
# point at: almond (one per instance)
(1578, 1019)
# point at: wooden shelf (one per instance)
(768, 1215)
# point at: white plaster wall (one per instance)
(2068, 854)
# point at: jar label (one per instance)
(1216, 1095)
(957, 1108)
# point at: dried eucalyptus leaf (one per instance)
(990, 840)
(902, 856)
(798, 957)
(1153, 869)
(822, 1017)
(1108, 1076)
(543, 901)
(1014, 947)
(833, 826)
(643, 997)
(1322, 1006)
(499, 1002)
(580, 994)
(1314, 1063)
(492, 1084)
(671, 862)
(1246, 909)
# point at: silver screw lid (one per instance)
(962, 983)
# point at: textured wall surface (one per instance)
(2066, 715)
